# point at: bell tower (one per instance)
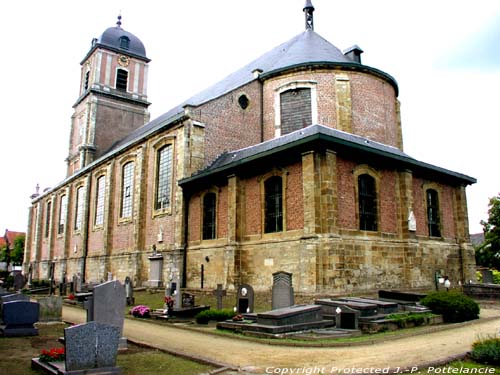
(112, 100)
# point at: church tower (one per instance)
(112, 100)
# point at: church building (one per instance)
(293, 163)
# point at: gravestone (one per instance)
(11, 297)
(90, 347)
(30, 275)
(155, 270)
(187, 300)
(88, 305)
(77, 283)
(129, 291)
(52, 282)
(282, 291)
(19, 318)
(219, 293)
(487, 276)
(245, 299)
(109, 303)
(18, 281)
(346, 318)
(110, 276)
(50, 308)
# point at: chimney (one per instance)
(353, 53)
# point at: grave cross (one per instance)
(219, 293)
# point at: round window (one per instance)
(243, 101)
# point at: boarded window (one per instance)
(433, 213)
(273, 215)
(367, 202)
(295, 110)
(209, 216)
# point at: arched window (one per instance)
(273, 205)
(47, 218)
(296, 110)
(127, 190)
(80, 197)
(209, 216)
(121, 79)
(87, 78)
(163, 177)
(433, 213)
(367, 197)
(99, 200)
(63, 210)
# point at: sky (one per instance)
(445, 56)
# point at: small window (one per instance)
(47, 219)
(273, 209)
(63, 210)
(367, 202)
(87, 77)
(433, 213)
(209, 216)
(163, 177)
(99, 206)
(124, 42)
(80, 196)
(127, 186)
(121, 79)
(243, 101)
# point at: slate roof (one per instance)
(336, 138)
(305, 49)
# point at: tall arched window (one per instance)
(367, 202)
(80, 197)
(273, 205)
(433, 213)
(209, 216)
(121, 79)
(99, 200)
(47, 218)
(163, 177)
(63, 210)
(127, 190)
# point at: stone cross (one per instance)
(219, 293)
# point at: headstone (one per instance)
(110, 276)
(282, 291)
(346, 318)
(129, 291)
(245, 299)
(155, 270)
(487, 276)
(90, 346)
(50, 308)
(19, 318)
(77, 283)
(88, 305)
(187, 300)
(52, 281)
(109, 304)
(18, 281)
(14, 297)
(219, 293)
(30, 274)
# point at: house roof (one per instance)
(9, 237)
(335, 139)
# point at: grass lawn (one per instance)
(17, 352)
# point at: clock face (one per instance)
(123, 60)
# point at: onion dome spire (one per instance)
(308, 11)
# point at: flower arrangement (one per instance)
(140, 311)
(238, 318)
(71, 297)
(52, 355)
(169, 302)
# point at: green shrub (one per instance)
(486, 351)
(218, 315)
(453, 306)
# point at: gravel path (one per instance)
(406, 352)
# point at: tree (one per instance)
(488, 253)
(17, 253)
